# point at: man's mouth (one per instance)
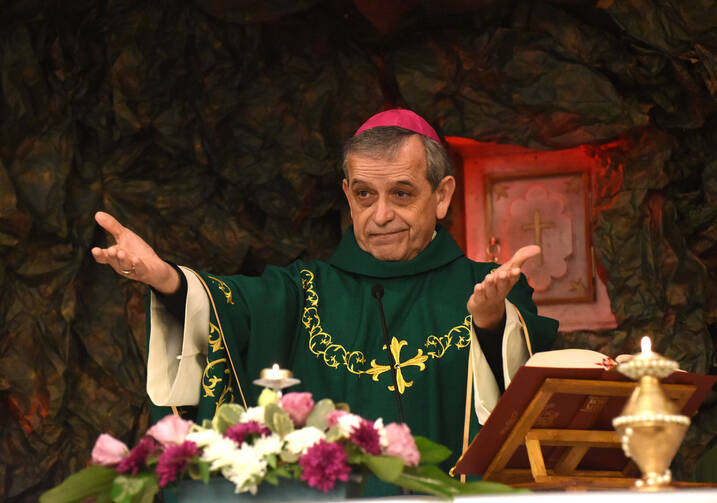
(385, 235)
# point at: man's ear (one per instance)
(444, 193)
(345, 187)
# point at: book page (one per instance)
(570, 358)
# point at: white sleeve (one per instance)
(515, 353)
(177, 354)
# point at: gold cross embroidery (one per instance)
(376, 370)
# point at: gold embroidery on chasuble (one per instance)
(376, 370)
(224, 289)
(216, 371)
(337, 356)
(461, 334)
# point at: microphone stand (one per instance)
(377, 292)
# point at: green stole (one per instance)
(320, 320)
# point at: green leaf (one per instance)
(135, 488)
(104, 498)
(487, 487)
(357, 458)
(318, 415)
(271, 478)
(295, 471)
(431, 452)
(425, 485)
(267, 396)
(432, 480)
(282, 472)
(204, 469)
(288, 456)
(199, 470)
(91, 481)
(333, 434)
(271, 460)
(227, 415)
(387, 468)
(343, 406)
(278, 420)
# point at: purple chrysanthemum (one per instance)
(173, 460)
(240, 431)
(366, 437)
(137, 457)
(323, 464)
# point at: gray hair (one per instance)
(383, 142)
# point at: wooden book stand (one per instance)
(561, 434)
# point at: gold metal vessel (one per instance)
(650, 427)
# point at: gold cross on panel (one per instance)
(538, 226)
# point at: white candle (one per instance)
(646, 344)
(274, 373)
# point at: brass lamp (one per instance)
(650, 427)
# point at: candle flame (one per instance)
(275, 367)
(646, 344)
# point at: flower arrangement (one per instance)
(286, 436)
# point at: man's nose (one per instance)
(384, 212)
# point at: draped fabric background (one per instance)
(213, 129)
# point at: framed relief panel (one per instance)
(548, 209)
(514, 196)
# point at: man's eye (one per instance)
(401, 194)
(362, 193)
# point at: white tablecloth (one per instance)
(674, 496)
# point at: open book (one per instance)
(572, 390)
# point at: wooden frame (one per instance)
(493, 179)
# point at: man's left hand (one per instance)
(487, 303)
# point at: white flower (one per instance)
(245, 469)
(347, 422)
(298, 441)
(253, 414)
(382, 438)
(270, 444)
(203, 437)
(220, 453)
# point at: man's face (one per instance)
(393, 206)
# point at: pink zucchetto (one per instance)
(401, 118)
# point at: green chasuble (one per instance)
(320, 320)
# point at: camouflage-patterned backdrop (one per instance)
(213, 129)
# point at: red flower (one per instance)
(137, 456)
(173, 460)
(323, 464)
(240, 431)
(366, 437)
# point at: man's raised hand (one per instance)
(487, 303)
(133, 258)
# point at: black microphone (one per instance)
(377, 293)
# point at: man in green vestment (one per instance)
(210, 335)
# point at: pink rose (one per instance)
(402, 444)
(298, 405)
(108, 451)
(170, 430)
(334, 415)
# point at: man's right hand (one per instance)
(132, 258)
